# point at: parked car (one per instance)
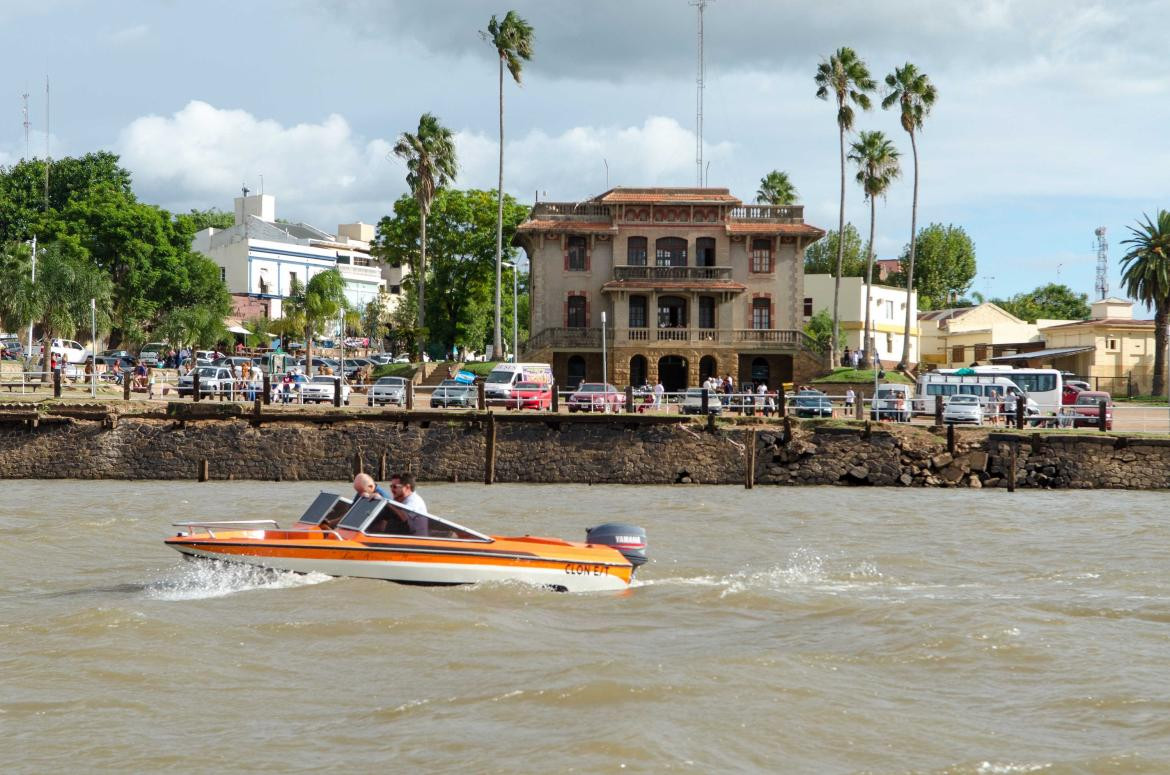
(692, 402)
(451, 393)
(892, 402)
(1087, 410)
(387, 390)
(1069, 393)
(596, 397)
(357, 341)
(203, 357)
(402, 359)
(152, 353)
(963, 408)
(11, 346)
(530, 395)
(66, 349)
(232, 361)
(812, 403)
(125, 362)
(212, 379)
(322, 388)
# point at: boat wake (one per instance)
(204, 579)
(804, 570)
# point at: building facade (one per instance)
(260, 258)
(887, 314)
(1111, 349)
(688, 282)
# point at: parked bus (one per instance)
(987, 387)
(1044, 386)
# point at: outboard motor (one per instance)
(630, 540)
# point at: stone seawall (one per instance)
(532, 448)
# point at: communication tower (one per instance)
(700, 5)
(1102, 286)
(24, 98)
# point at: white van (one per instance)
(497, 388)
(934, 383)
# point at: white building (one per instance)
(887, 316)
(259, 258)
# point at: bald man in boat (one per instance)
(365, 486)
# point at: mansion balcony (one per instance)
(677, 278)
(740, 339)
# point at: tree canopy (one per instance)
(1052, 302)
(944, 268)
(1146, 277)
(821, 256)
(461, 250)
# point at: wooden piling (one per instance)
(202, 474)
(749, 472)
(1021, 406)
(409, 395)
(1012, 466)
(382, 467)
(938, 407)
(267, 396)
(126, 379)
(480, 399)
(489, 457)
(194, 384)
(56, 383)
(357, 463)
(630, 399)
(951, 438)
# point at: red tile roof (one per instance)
(577, 227)
(671, 195)
(766, 227)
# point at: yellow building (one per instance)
(887, 316)
(1110, 349)
(961, 336)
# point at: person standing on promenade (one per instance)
(659, 391)
(850, 398)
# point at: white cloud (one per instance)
(129, 34)
(320, 172)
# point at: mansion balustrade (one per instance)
(737, 338)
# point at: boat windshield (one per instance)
(360, 513)
(396, 519)
(326, 507)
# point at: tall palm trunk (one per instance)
(870, 352)
(834, 357)
(497, 341)
(1161, 312)
(905, 361)
(308, 348)
(422, 280)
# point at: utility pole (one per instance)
(48, 134)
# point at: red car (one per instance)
(530, 395)
(1087, 409)
(596, 397)
(1069, 393)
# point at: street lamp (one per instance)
(515, 307)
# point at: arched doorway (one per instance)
(638, 369)
(708, 367)
(576, 372)
(760, 371)
(672, 373)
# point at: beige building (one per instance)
(887, 315)
(1111, 349)
(960, 336)
(689, 282)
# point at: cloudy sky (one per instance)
(1050, 120)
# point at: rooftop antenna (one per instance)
(701, 5)
(48, 134)
(261, 185)
(1102, 285)
(24, 97)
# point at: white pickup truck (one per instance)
(70, 351)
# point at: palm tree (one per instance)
(776, 189)
(319, 303)
(877, 167)
(846, 77)
(59, 300)
(914, 92)
(1146, 276)
(430, 164)
(512, 39)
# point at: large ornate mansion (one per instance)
(690, 281)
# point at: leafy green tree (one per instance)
(844, 76)
(776, 189)
(461, 250)
(877, 162)
(944, 268)
(512, 40)
(59, 300)
(24, 210)
(820, 257)
(1146, 276)
(913, 92)
(430, 162)
(197, 220)
(820, 329)
(192, 326)
(315, 305)
(1052, 301)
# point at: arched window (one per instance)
(670, 251)
(575, 312)
(636, 251)
(576, 372)
(761, 314)
(637, 312)
(638, 370)
(708, 367)
(705, 251)
(761, 255)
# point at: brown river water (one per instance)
(817, 630)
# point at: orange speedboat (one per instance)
(382, 539)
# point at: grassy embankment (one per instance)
(846, 374)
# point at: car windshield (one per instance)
(1089, 399)
(890, 394)
(528, 386)
(397, 381)
(324, 379)
(964, 399)
(499, 376)
(207, 371)
(591, 387)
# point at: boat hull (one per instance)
(576, 571)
